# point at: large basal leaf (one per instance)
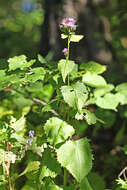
(103, 90)
(109, 101)
(75, 95)
(57, 130)
(93, 67)
(93, 80)
(49, 166)
(76, 157)
(65, 67)
(18, 125)
(19, 62)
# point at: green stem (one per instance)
(65, 177)
(9, 182)
(68, 52)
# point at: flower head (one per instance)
(30, 139)
(68, 23)
(31, 134)
(64, 51)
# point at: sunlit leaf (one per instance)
(65, 67)
(93, 80)
(76, 157)
(57, 130)
(93, 67)
(75, 95)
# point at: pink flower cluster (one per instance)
(64, 51)
(68, 23)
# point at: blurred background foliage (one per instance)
(32, 26)
(20, 27)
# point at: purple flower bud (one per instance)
(68, 23)
(64, 51)
(31, 134)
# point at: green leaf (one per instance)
(97, 182)
(63, 36)
(93, 80)
(34, 75)
(100, 91)
(75, 95)
(85, 185)
(49, 166)
(93, 67)
(32, 166)
(19, 62)
(89, 117)
(2, 74)
(121, 87)
(76, 38)
(76, 157)
(109, 101)
(65, 67)
(49, 184)
(41, 59)
(18, 125)
(122, 96)
(57, 130)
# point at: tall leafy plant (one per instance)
(56, 153)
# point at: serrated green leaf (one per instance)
(18, 125)
(75, 95)
(57, 130)
(76, 157)
(19, 62)
(93, 80)
(93, 67)
(109, 101)
(100, 91)
(32, 166)
(65, 67)
(76, 38)
(49, 166)
(34, 75)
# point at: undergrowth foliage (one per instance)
(41, 141)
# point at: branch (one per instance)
(36, 100)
